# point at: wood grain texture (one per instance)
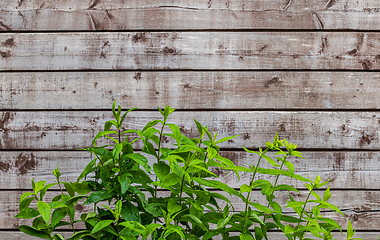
(10, 235)
(70, 130)
(39, 15)
(362, 210)
(190, 50)
(347, 170)
(190, 90)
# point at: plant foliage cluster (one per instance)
(178, 196)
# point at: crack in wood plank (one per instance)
(317, 20)
(330, 3)
(191, 8)
(209, 3)
(20, 3)
(288, 5)
(93, 4)
(4, 27)
(94, 23)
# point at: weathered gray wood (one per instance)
(190, 50)
(348, 170)
(272, 235)
(119, 15)
(75, 129)
(190, 90)
(362, 208)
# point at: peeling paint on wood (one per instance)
(75, 129)
(190, 90)
(169, 50)
(48, 15)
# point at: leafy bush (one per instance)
(176, 197)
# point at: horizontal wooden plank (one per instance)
(75, 129)
(347, 170)
(190, 50)
(11, 235)
(190, 90)
(362, 208)
(51, 15)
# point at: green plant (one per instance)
(171, 192)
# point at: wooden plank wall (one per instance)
(247, 67)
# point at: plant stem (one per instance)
(303, 210)
(158, 156)
(275, 184)
(249, 193)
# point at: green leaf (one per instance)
(118, 209)
(79, 235)
(290, 166)
(98, 196)
(34, 232)
(87, 170)
(173, 207)
(69, 189)
(152, 124)
(44, 210)
(225, 139)
(102, 134)
(216, 184)
(211, 153)
(295, 204)
(27, 213)
(130, 213)
(149, 229)
(140, 159)
(285, 187)
(261, 183)
(58, 236)
(38, 186)
(270, 160)
(135, 226)
(262, 208)
(139, 176)
(173, 228)
(350, 230)
(100, 225)
(170, 180)
(155, 209)
(200, 129)
(57, 216)
(174, 166)
(81, 188)
(129, 110)
(327, 205)
(194, 220)
(245, 188)
(26, 202)
(125, 182)
(246, 236)
(161, 170)
(176, 133)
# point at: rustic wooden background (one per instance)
(247, 67)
